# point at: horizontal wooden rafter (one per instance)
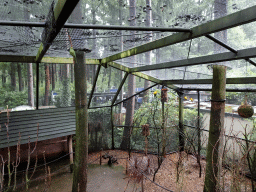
(241, 80)
(216, 58)
(138, 74)
(238, 18)
(227, 90)
(57, 19)
(32, 59)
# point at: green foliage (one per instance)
(12, 98)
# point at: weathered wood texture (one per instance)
(216, 128)
(81, 157)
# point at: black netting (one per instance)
(148, 110)
(99, 129)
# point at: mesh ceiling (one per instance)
(104, 43)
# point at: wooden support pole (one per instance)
(181, 126)
(70, 150)
(112, 128)
(37, 86)
(216, 130)
(164, 133)
(199, 135)
(81, 157)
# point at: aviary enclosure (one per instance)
(127, 95)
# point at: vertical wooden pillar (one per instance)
(37, 86)
(81, 157)
(112, 128)
(216, 128)
(164, 132)
(70, 150)
(198, 135)
(181, 127)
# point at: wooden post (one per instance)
(112, 128)
(199, 135)
(81, 157)
(70, 150)
(164, 132)
(181, 127)
(216, 130)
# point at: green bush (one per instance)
(12, 98)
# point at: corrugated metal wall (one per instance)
(53, 123)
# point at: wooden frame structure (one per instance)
(59, 14)
(239, 18)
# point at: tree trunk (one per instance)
(72, 73)
(216, 131)
(131, 86)
(181, 126)
(4, 75)
(129, 113)
(121, 49)
(13, 76)
(65, 95)
(20, 78)
(47, 84)
(220, 10)
(53, 76)
(30, 85)
(80, 165)
(94, 48)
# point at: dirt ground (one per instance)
(105, 178)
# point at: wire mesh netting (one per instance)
(99, 129)
(148, 113)
(23, 40)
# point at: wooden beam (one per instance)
(135, 94)
(119, 88)
(90, 26)
(241, 80)
(227, 90)
(17, 58)
(129, 28)
(94, 84)
(238, 18)
(118, 66)
(32, 59)
(227, 47)
(216, 58)
(67, 60)
(56, 19)
(138, 74)
(221, 43)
